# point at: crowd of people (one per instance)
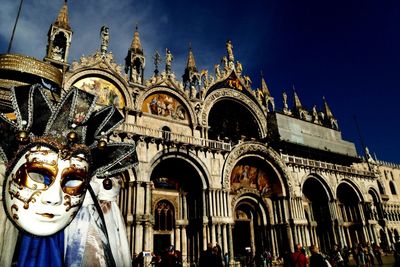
(364, 255)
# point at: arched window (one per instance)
(164, 216)
(381, 188)
(392, 188)
(166, 132)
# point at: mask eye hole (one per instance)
(40, 177)
(73, 185)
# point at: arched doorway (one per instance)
(349, 204)
(177, 207)
(257, 190)
(319, 221)
(249, 229)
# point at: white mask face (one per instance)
(44, 191)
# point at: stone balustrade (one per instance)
(325, 165)
(174, 137)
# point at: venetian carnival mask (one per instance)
(51, 166)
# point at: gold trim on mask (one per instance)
(14, 215)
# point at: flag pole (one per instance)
(15, 26)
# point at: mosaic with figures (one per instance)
(107, 92)
(166, 106)
(252, 176)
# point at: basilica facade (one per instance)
(218, 163)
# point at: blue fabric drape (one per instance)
(41, 251)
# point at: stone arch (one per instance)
(317, 196)
(113, 78)
(353, 186)
(257, 149)
(374, 194)
(323, 181)
(239, 97)
(182, 98)
(190, 158)
(250, 215)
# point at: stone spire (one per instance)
(298, 109)
(135, 60)
(62, 20)
(136, 46)
(59, 40)
(327, 109)
(191, 64)
(330, 120)
(268, 101)
(191, 78)
(297, 103)
(264, 87)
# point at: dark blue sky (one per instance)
(347, 51)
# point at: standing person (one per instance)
(316, 259)
(226, 259)
(217, 257)
(206, 258)
(268, 258)
(336, 256)
(362, 260)
(299, 259)
(370, 254)
(346, 255)
(354, 251)
(287, 258)
(108, 193)
(377, 253)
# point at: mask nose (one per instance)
(52, 196)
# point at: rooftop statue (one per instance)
(105, 38)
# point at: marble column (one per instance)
(225, 239)
(138, 238)
(184, 245)
(230, 243)
(205, 236)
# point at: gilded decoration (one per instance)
(101, 61)
(165, 105)
(180, 99)
(254, 148)
(108, 93)
(30, 65)
(237, 96)
(249, 175)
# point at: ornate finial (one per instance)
(62, 20)
(105, 38)
(136, 45)
(157, 60)
(168, 60)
